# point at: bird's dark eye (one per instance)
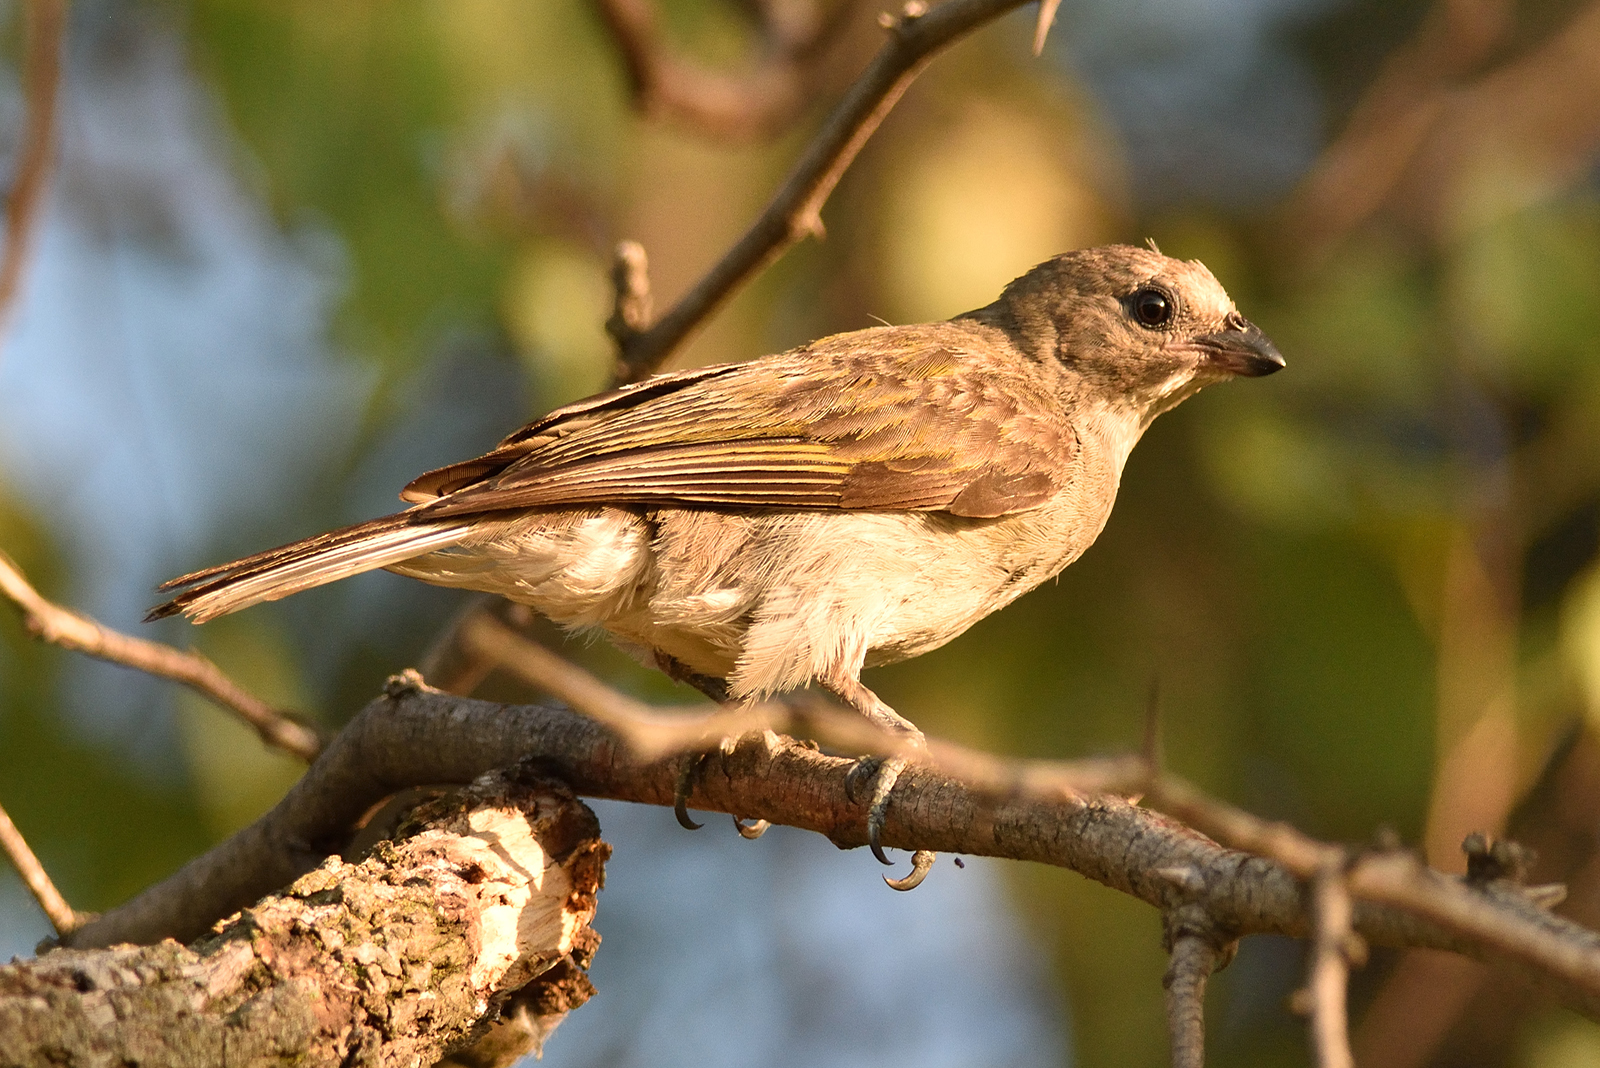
(1152, 307)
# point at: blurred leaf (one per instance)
(1523, 296)
(236, 776)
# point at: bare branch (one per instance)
(630, 279)
(1041, 28)
(70, 630)
(1298, 852)
(1508, 922)
(415, 735)
(795, 210)
(60, 914)
(1193, 959)
(46, 22)
(1503, 919)
(759, 103)
(651, 733)
(1329, 980)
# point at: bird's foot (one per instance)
(692, 771)
(882, 773)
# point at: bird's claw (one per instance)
(752, 830)
(687, 775)
(690, 774)
(921, 863)
(884, 773)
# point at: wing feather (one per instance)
(902, 418)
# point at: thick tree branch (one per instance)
(390, 961)
(795, 210)
(71, 630)
(415, 735)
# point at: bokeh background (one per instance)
(296, 253)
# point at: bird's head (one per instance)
(1138, 329)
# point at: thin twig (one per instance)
(1510, 920)
(758, 103)
(795, 211)
(1192, 961)
(630, 281)
(61, 915)
(45, 21)
(70, 630)
(1328, 983)
(1294, 849)
(651, 733)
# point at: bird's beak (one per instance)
(1241, 349)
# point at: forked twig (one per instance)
(757, 103)
(652, 733)
(795, 210)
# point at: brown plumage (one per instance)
(857, 500)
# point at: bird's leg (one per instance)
(678, 671)
(883, 771)
(694, 766)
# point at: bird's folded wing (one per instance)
(868, 426)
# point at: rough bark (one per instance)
(399, 958)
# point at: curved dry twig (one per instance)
(758, 103)
(71, 630)
(45, 22)
(650, 733)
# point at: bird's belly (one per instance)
(768, 601)
(773, 601)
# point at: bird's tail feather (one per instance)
(300, 565)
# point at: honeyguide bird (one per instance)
(861, 499)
